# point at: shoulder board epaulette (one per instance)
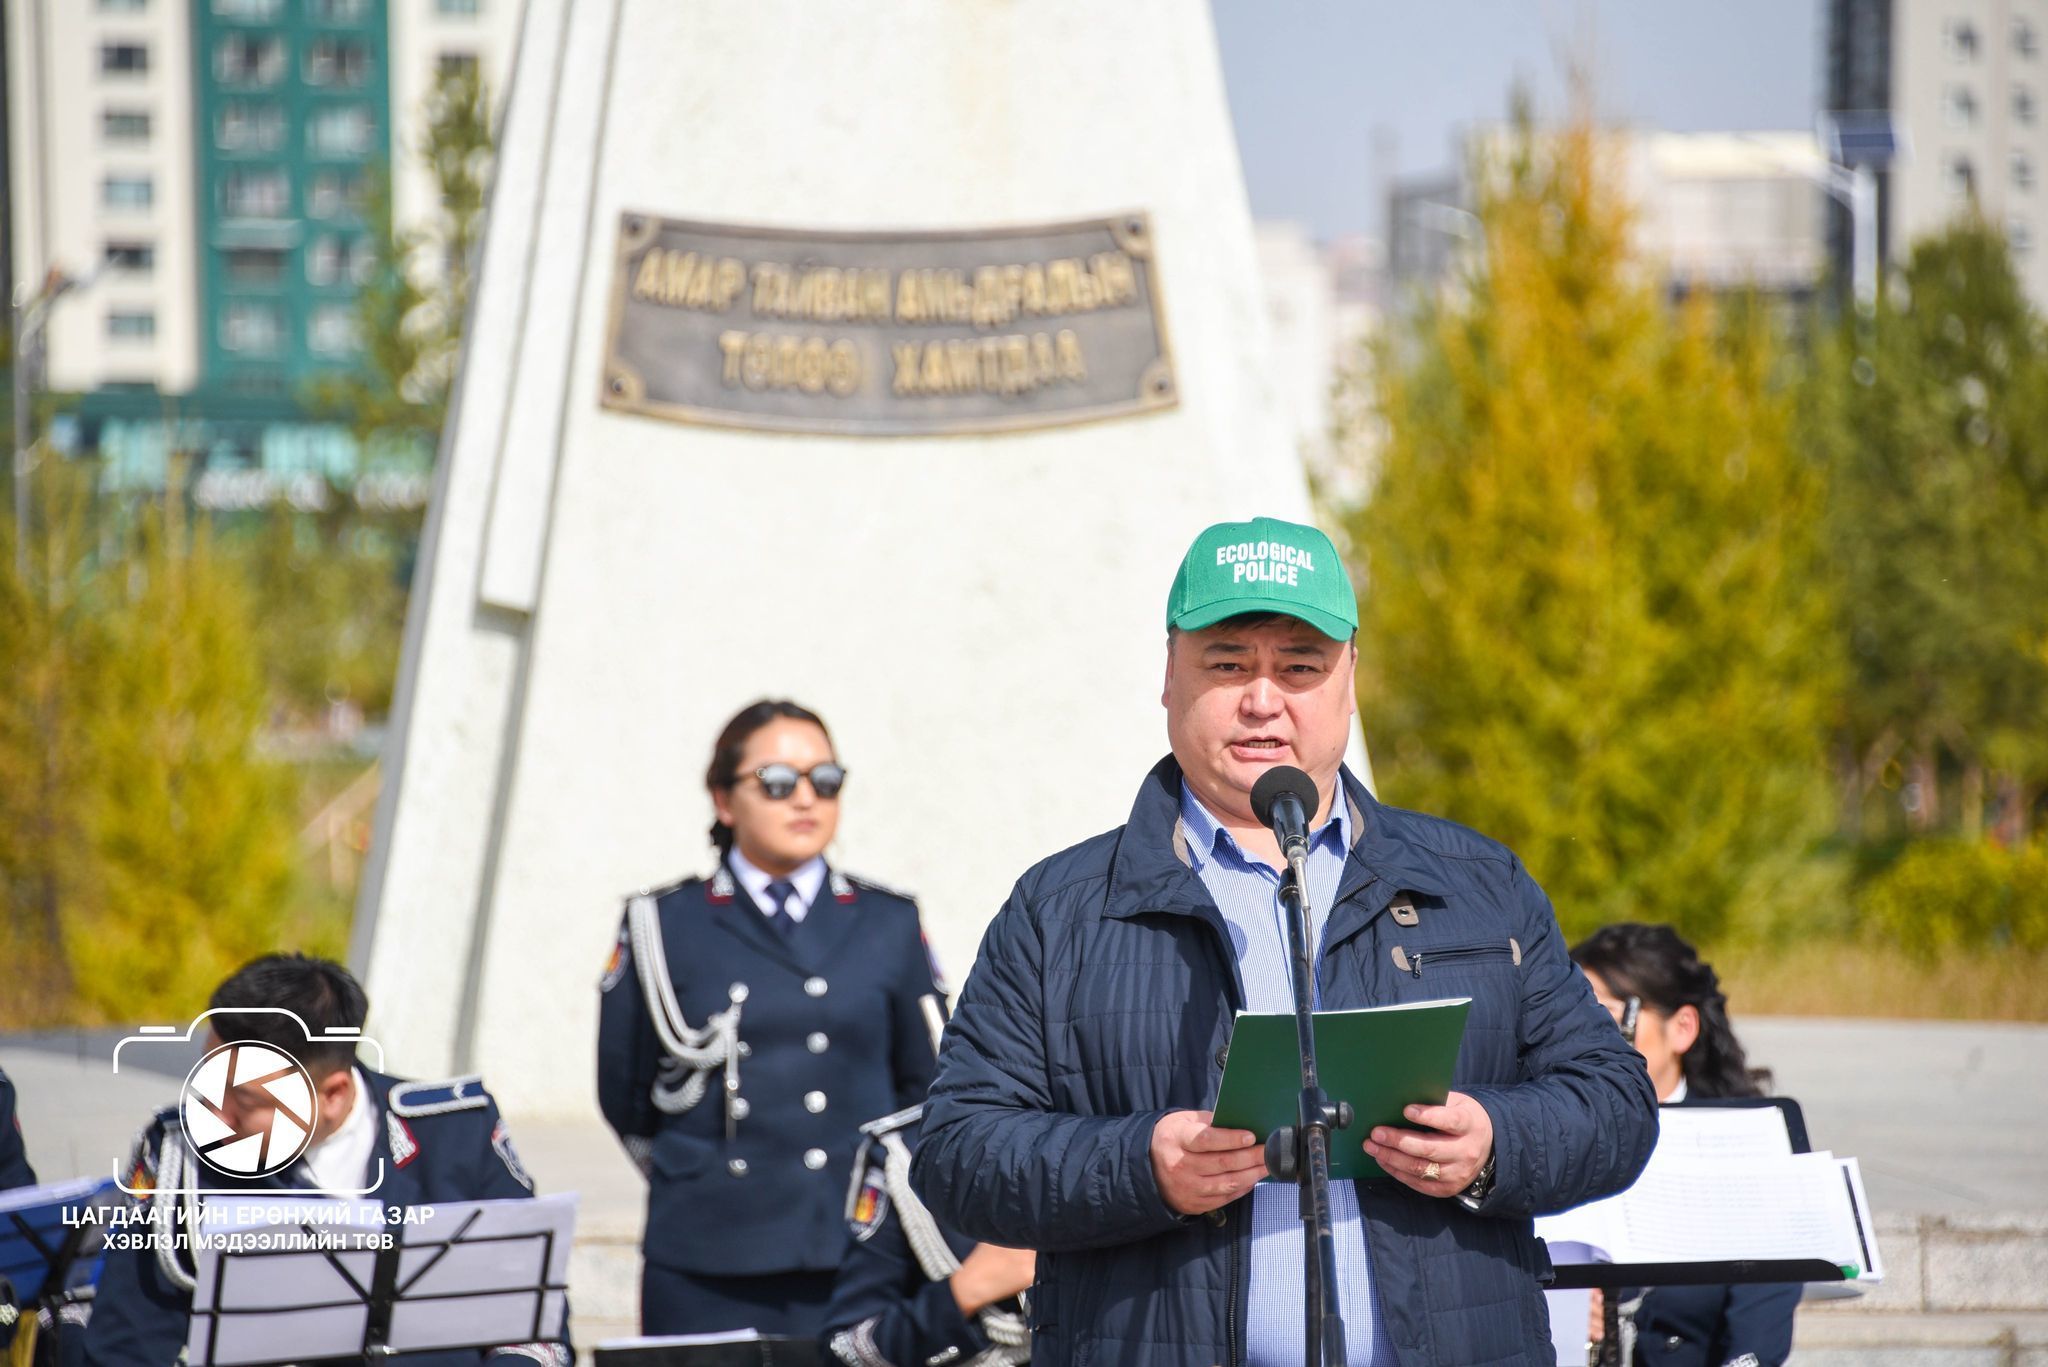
(857, 881)
(414, 1099)
(661, 890)
(902, 1119)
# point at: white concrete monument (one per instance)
(884, 355)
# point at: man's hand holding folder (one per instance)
(1455, 1139)
(1200, 1167)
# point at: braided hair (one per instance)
(731, 745)
(1655, 965)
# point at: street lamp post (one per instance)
(1859, 145)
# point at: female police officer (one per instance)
(748, 1024)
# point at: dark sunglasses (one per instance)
(1631, 1010)
(778, 781)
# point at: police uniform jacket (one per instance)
(436, 1141)
(1716, 1326)
(737, 1064)
(893, 1304)
(14, 1172)
(14, 1168)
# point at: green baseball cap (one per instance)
(1264, 565)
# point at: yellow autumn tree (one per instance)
(1589, 622)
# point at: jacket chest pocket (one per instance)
(1487, 971)
(1444, 959)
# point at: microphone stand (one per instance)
(1301, 1152)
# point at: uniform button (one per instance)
(814, 1102)
(816, 1042)
(1673, 1344)
(738, 1167)
(815, 986)
(746, 1049)
(814, 1159)
(1223, 1056)
(737, 992)
(739, 1108)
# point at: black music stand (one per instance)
(1608, 1277)
(42, 1256)
(472, 1274)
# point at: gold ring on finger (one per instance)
(1432, 1172)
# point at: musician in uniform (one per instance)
(429, 1142)
(748, 1023)
(910, 1292)
(14, 1168)
(14, 1172)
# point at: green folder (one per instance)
(1381, 1059)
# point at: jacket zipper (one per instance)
(1412, 963)
(1237, 1354)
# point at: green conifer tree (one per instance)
(1934, 418)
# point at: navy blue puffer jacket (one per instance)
(1103, 998)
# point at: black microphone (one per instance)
(1283, 799)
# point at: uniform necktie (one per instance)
(779, 893)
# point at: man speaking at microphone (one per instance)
(1067, 1115)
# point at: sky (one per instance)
(1330, 97)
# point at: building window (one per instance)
(255, 265)
(463, 8)
(123, 6)
(1959, 106)
(124, 59)
(1959, 176)
(332, 331)
(1959, 37)
(249, 326)
(2022, 172)
(265, 193)
(343, 131)
(2024, 41)
(244, 127)
(334, 192)
(131, 325)
(362, 260)
(2019, 235)
(248, 59)
(336, 61)
(127, 126)
(338, 11)
(323, 260)
(461, 64)
(249, 11)
(132, 258)
(127, 192)
(2023, 106)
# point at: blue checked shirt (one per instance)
(1247, 892)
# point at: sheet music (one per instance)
(1688, 1208)
(33, 1231)
(478, 1272)
(1716, 1210)
(1723, 1132)
(50, 1194)
(467, 1274)
(680, 1340)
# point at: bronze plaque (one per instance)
(886, 334)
